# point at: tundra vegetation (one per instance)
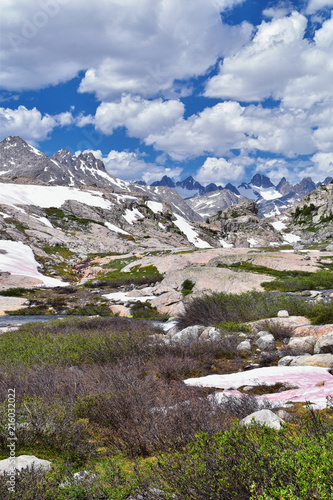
(106, 395)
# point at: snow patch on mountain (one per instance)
(155, 206)
(132, 215)
(114, 228)
(189, 232)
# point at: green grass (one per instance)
(60, 250)
(138, 275)
(288, 280)
(72, 342)
(320, 280)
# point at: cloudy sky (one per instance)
(217, 89)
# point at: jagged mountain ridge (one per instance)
(19, 159)
(187, 188)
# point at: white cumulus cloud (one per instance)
(137, 47)
(138, 115)
(220, 170)
(30, 124)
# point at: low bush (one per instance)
(15, 292)
(219, 308)
(144, 310)
(187, 287)
(252, 463)
(278, 329)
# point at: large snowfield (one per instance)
(49, 196)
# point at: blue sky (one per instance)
(217, 89)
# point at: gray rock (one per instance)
(22, 462)
(283, 314)
(244, 347)
(189, 334)
(211, 333)
(284, 415)
(266, 342)
(323, 360)
(263, 417)
(263, 333)
(324, 344)
(303, 344)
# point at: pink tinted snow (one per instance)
(19, 259)
(313, 383)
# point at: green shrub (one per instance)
(187, 287)
(246, 463)
(15, 292)
(144, 310)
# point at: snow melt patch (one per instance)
(115, 229)
(252, 242)
(19, 260)
(122, 297)
(155, 206)
(225, 244)
(279, 225)
(269, 193)
(48, 196)
(189, 232)
(291, 238)
(313, 383)
(132, 215)
(43, 220)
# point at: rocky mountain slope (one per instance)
(18, 159)
(208, 204)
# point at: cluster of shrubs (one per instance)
(107, 395)
(218, 308)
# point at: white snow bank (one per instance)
(123, 297)
(155, 206)
(43, 220)
(225, 244)
(279, 225)
(49, 196)
(189, 232)
(252, 242)
(19, 260)
(132, 215)
(305, 378)
(115, 229)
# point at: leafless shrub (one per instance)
(241, 406)
(140, 415)
(266, 358)
(278, 329)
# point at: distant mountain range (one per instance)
(272, 200)
(187, 197)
